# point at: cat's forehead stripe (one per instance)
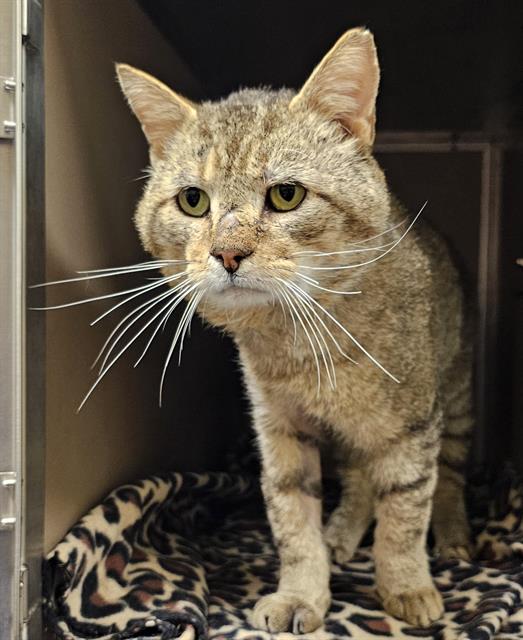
(238, 139)
(210, 165)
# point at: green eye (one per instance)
(286, 197)
(194, 202)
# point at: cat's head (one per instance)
(244, 187)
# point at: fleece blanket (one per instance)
(187, 556)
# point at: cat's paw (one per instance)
(342, 544)
(419, 608)
(281, 612)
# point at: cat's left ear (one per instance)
(159, 109)
(344, 85)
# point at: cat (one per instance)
(349, 320)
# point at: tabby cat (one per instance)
(349, 320)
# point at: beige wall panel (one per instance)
(94, 153)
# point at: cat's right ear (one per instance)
(159, 109)
(344, 86)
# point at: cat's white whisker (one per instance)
(148, 303)
(176, 292)
(312, 282)
(173, 343)
(163, 321)
(187, 328)
(160, 324)
(298, 317)
(150, 264)
(108, 274)
(356, 243)
(115, 359)
(379, 235)
(280, 301)
(348, 333)
(145, 289)
(331, 372)
(141, 289)
(320, 320)
(182, 325)
(362, 264)
(310, 253)
(93, 277)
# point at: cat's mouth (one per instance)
(237, 291)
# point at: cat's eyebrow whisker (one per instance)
(348, 333)
(320, 320)
(313, 283)
(140, 292)
(175, 340)
(362, 264)
(175, 292)
(115, 359)
(146, 176)
(299, 318)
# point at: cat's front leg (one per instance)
(404, 481)
(291, 485)
(352, 517)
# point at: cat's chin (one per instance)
(238, 297)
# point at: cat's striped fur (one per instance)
(402, 447)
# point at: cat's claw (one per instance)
(281, 612)
(419, 608)
(342, 543)
(456, 552)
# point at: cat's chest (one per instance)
(352, 401)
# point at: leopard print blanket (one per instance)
(187, 556)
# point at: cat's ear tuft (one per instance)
(159, 109)
(344, 85)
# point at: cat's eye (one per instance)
(194, 201)
(286, 197)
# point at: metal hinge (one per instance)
(7, 499)
(7, 107)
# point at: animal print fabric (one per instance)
(188, 555)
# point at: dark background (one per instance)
(446, 65)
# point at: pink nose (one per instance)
(231, 259)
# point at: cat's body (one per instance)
(264, 277)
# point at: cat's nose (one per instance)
(230, 259)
